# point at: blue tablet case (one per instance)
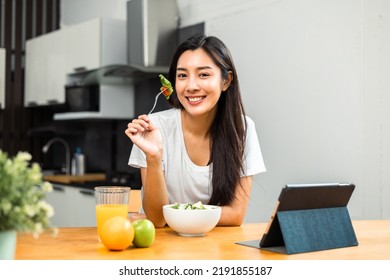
(309, 217)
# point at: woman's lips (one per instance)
(195, 100)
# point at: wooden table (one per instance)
(219, 244)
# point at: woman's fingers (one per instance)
(141, 124)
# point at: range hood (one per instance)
(115, 74)
(151, 31)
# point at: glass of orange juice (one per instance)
(110, 202)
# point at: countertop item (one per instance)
(218, 244)
(90, 180)
(191, 222)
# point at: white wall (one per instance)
(313, 74)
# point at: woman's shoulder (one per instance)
(249, 121)
(250, 126)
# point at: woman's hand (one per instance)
(145, 135)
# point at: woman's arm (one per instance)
(148, 138)
(155, 194)
(234, 214)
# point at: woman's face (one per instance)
(199, 82)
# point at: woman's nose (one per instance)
(192, 84)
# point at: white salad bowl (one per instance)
(191, 222)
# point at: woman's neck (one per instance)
(197, 125)
(197, 137)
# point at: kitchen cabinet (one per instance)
(73, 206)
(2, 78)
(45, 78)
(51, 57)
(85, 207)
(95, 43)
(83, 47)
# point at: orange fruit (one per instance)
(117, 233)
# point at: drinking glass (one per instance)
(111, 201)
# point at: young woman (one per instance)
(205, 148)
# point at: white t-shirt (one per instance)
(187, 182)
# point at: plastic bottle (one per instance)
(74, 165)
(78, 162)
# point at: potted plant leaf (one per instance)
(22, 204)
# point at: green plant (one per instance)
(22, 194)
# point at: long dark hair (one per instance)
(228, 130)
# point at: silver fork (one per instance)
(155, 102)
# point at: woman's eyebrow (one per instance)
(198, 68)
(205, 67)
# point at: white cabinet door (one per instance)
(73, 207)
(45, 76)
(83, 43)
(34, 72)
(95, 43)
(61, 200)
(85, 207)
(2, 78)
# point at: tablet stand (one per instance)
(315, 229)
(309, 217)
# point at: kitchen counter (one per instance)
(68, 179)
(90, 181)
(81, 243)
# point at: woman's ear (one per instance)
(227, 81)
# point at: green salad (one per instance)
(189, 206)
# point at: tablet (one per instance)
(303, 197)
(325, 204)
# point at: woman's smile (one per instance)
(194, 100)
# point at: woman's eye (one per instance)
(204, 75)
(181, 75)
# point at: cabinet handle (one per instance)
(32, 103)
(59, 189)
(87, 192)
(80, 69)
(52, 101)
